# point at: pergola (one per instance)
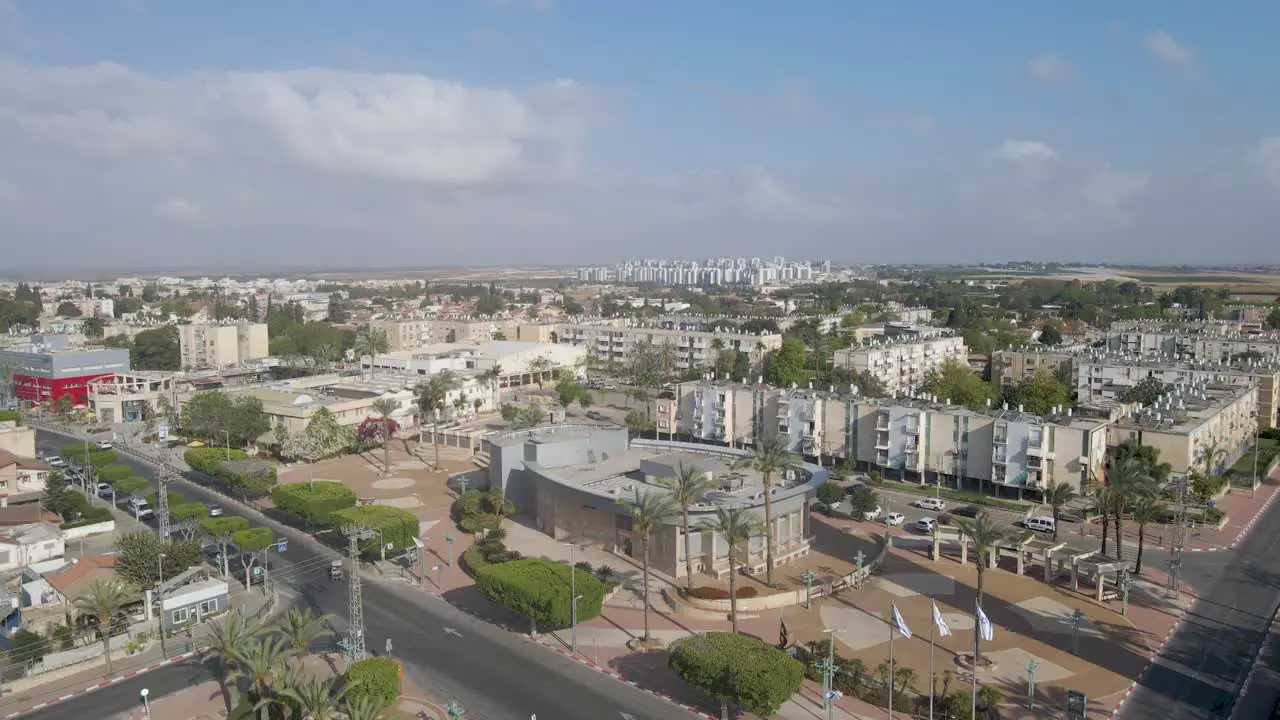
(945, 533)
(1018, 545)
(1066, 556)
(1100, 567)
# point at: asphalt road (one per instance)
(1206, 662)
(494, 674)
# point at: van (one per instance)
(141, 508)
(1039, 524)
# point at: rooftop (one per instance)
(72, 579)
(1186, 407)
(1266, 366)
(28, 534)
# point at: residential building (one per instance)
(686, 348)
(24, 545)
(17, 439)
(1106, 376)
(205, 345)
(1015, 365)
(1190, 418)
(410, 335)
(50, 368)
(521, 363)
(905, 357)
(1210, 343)
(21, 478)
(576, 480)
(70, 581)
(124, 397)
(707, 410)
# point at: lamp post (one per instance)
(859, 558)
(227, 434)
(146, 705)
(454, 710)
(573, 593)
(160, 602)
(1126, 581)
(1253, 487)
(1076, 617)
(807, 577)
(448, 540)
(828, 669)
(1031, 684)
(573, 634)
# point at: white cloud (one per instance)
(178, 209)
(1024, 150)
(1170, 51)
(1050, 69)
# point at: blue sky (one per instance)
(566, 131)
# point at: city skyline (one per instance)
(563, 133)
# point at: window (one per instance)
(180, 616)
(209, 606)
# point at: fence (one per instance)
(76, 533)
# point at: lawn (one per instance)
(1266, 451)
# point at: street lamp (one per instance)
(573, 593)
(1126, 581)
(573, 639)
(807, 577)
(146, 706)
(1076, 617)
(859, 558)
(227, 434)
(1031, 684)
(828, 669)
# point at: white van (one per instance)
(141, 508)
(1039, 524)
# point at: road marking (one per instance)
(451, 631)
(627, 716)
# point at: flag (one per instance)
(943, 629)
(984, 625)
(902, 624)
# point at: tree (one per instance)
(528, 416)
(227, 642)
(736, 526)
(1057, 496)
(986, 536)
(1128, 480)
(638, 423)
(315, 501)
(214, 416)
(649, 511)
(492, 376)
(138, 554)
(739, 669)
(830, 494)
(369, 341)
(322, 438)
(770, 459)
(221, 529)
(538, 588)
(60, 499)
(539, 366)
(312, 698)
(375, 680)
(398, 526)
(156, 349)
(787, 366)
(1210, 455)
(1145, 510)
(1146, 392)
(570, 391)
(431, 398)
(1039, 394)
(1050, 335)
(687, 486)
(67, 309)
(93, 327)
(300, 627)
(863, 500)
(385, 407)
(259, 661)
(26, 646)
(1273, 319)
(508, 412)
(954, 381)
(103, 601)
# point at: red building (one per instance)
(47, 370)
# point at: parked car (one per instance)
(215, 511)
(592, 414)
(1040, 524)
(894, 518)
(934, 504)
(925, 525)
(872, 514)
(967, 511)
(104, 444)
(105, 490)
(55, 461)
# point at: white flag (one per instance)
(902, 624)
(984, 625)
(944, 630)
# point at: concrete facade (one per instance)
(521, 363)
(50, 368)
(1211, 343)
(688, 348)
(203, 345)
(409, 335)
(1190, 418)
(575, 481)
(902, 362)
(1018, 364)
(122, 397)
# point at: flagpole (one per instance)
(977, 633)
(932, 684)
(892, 630)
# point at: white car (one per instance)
(872, 514)
(104, 444)
(894, 518)
(934, 504)
(925, 525)
(55, 461)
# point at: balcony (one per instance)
(1000, 438)
(882, 422)
(882, 441)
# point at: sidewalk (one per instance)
(25, 694)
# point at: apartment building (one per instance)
(689, 348)
(520, 363)
(205, 345)
(997, 449)
(1190, 418)
(1210, 343)
(902, 360)
(1018, 364)
(1106, 376)
(408, 335)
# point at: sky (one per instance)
(412, 133)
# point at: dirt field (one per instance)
(1256, 287)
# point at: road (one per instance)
(493, 673)
(1205, 663)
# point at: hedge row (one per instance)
(709, 592)
(538, 588)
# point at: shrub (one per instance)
(376, 678)
(480, 522)
(862, 499)
(206, 459)
(584, 565)
(539, 589)
(12, 416)
(710, 592)
(830, 493)
(113, 473)
(399, 527)
(91, 516)
(314, 502)
(744, 669)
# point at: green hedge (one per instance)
(112, 474)
(315, 501)
(220, 463)
(376, 678)
(91, 516)
(399, 527)
(748, 671)
(206, 459)
(12, 416)
(539, 589)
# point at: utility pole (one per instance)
(355, 606)
(1179, 537)
(162, 512)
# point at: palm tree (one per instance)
(648, 512)
(227, 640)
(1103, 500)
(313, 698)
(1057, 496)
(384, 407)
(363, 707)
(259, 662)
(986, 537)
(1129, 481)
(686, 487)
(492, 377)
(770, 459)
(369, 341)
(1146, 510)
(736, 526)
(300, 627)
(103, 600)
(1211, 455)
(431, 398)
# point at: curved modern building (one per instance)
(575, 481)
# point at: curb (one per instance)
(606, 671)
(127, 675)
(1268, 641)
(1133, 686)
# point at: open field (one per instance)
(1256, 286)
